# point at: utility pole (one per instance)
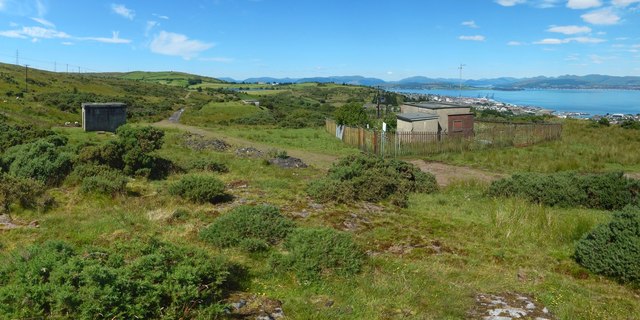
(55, 66)
(67, 68)
(378, 98)
(26, 77)
(461, 67)
(17, 60)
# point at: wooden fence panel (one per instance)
(486, 135)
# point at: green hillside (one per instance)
(201, 219)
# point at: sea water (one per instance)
(590, 101)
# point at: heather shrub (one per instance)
(613, 249)
(252, 228)
(199, 188)
(142, 281)
(313, 252)
(609, 191)
(369, 178)
(43, 160)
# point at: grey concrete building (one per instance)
(103, 116)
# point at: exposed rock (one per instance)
(507, 306)
(288, 162)
(249, 152)
(199, 142)
(250, 306)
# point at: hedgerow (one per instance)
(609, 191)
(613, 249)
(133, 281)
(370, 178)
(253, 228)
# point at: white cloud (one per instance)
(160, 16)
(149, 27)
(44, 33)
(472, 38)
(123, 11)
(12, 34)
(601, 17)
(509, 3)
(624, 3)
(569, 29)
(2, 4)
(514, 43)
(41, 8)
(583, 4)
(115, 38)
(554, 41)
(219, 59)
(67, 43)
(572, 57)
(44, 22)
(175, 44)
(470, 24)
(550, 41)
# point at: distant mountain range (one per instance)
(593, 81)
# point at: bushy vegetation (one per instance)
(142, 281)
(313, 252)
(199, 188)
(609, 191)
(23, 191)
(13, 135)
(44, 160)
(252, 228)
(370, 178)
(613, 249)
(352, 114)
(131, 152)
(207, 165)
(99, 179)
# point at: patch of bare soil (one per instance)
(447, 174)
(250, 306)
(6, 223)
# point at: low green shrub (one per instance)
(98, 179)
(313, 252)
(613, 249)
(251, 228)
(43, 160)
(609, 191)
(199, 188)
(369, 178)
(132, 281)
(207, 165)
(23, 191)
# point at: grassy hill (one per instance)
(429, 260)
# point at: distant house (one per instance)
(103, 116)
(441, 118)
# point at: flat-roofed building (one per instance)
(452, 119)
(103, 116)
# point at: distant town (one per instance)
(486, 103)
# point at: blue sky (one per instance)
(301, 38)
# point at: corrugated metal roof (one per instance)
(412, 117)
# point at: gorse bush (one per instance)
(98, 179)
(131, 152)
(609, 191)
(207, 165)
(613, 249)
(13, 135)
(154, 280)
(373, 179)
(251, 228)
(44, 160)
(319, 251)
(199, 188)
(23, 191)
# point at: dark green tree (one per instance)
(352, 114)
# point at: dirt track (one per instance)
(446, 174)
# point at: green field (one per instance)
(426, 261)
